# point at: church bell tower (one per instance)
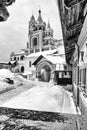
(36, 33)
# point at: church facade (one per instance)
(41, 41)
(40, 35)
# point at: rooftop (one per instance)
(43, 53)
(52, 58)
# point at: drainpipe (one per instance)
(78, 76)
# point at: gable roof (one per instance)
(52, 58)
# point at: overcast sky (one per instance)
(14, 32)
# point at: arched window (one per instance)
(35, 42)
(22, 57)
(40, 28)
(49, 34)
(29, 63)
(22, 68)
(14, 58)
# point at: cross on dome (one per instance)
(39, 17)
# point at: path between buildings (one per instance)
(62, 99)
(5, 97)
(18, 90)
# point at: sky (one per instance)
(14, 31)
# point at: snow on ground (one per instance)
(6, 73)
(52, 99)
(5, 76)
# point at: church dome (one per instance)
(49, 30)
(40, 23)
(39, 20)
(32, 20)
(48, 26)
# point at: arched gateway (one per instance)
(46, 65)
(44, 69)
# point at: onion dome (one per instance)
(32, 20)
(49, 30)
(40, 25)
(12, 54)
(39, 20)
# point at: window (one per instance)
(22, 57)
(22, 69)
(31, 51)
(29, 63)
(17, 58)
(82, 55)
(65, 73)
(48, 34)
(11, 58)
(34, 42)
(80, 77)
(40, 28)
(14, 58)
(36, 50)
(84, 77)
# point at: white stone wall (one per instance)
(26, 63)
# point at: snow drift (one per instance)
(6, 73)
(8, 80)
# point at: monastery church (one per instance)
(43, 53)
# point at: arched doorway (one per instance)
(35, 41)
(45, 73)
(22, 69)
(44, 70)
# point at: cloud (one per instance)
(14, 32)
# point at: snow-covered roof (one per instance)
(12, 62)
(20, 53)
(27, 72)
(49, 37)
(52, 58)
(37, 54)
(55, 59)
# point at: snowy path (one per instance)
(15, 92)
(27, 84)
(48, 98)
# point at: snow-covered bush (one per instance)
(8, 80)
